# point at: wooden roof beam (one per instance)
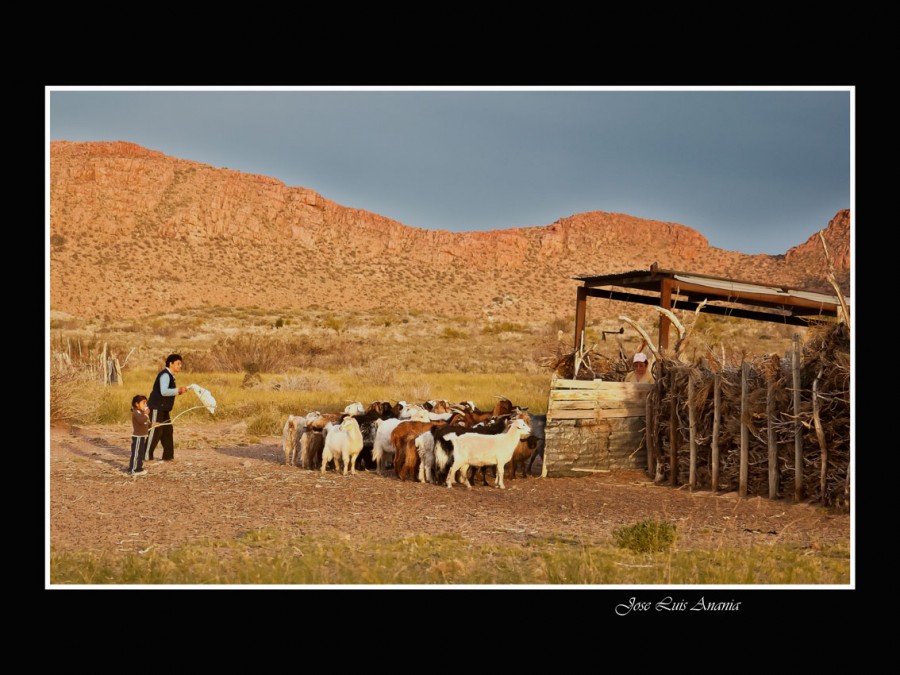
(792, 319)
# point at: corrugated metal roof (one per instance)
(743, 287)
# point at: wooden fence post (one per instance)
(820, 433)
(798, 428)
(104, 367)
(673, 431)
(745, 431)
(717, 401)
(692, 431)
(651, 446)
(773, 447)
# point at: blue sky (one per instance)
(754, 171)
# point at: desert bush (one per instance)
(561, 324)
(68, 402)
(647, 536)
(454, 333)
(160, 328)
(199, 362)
(304, 382)
(334, 323)
(374, 374)
(503, 327)
(64, 324)
(268, 354)
(251, 379)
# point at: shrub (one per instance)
(251, 380)
(503, 327)
(68, 402)
(263, 354)
(334, 323)
(453, 333)
(199, 362)
(647, 536)
(306, 382)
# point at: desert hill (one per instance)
(134, 231)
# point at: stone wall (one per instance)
(579, 447)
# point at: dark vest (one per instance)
(157, 401)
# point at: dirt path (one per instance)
(220, 487)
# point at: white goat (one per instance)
(290, 437)
(354, 409)
(479, 450)
(342, 444)
(425, 451)
(413, 410)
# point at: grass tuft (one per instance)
(647, 536)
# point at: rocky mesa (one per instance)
(136, 231)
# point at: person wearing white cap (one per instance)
(641, 372)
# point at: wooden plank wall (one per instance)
(595, 399)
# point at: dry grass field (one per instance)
(229, 512)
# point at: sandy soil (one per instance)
(221, 487)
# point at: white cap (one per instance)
(640, 356)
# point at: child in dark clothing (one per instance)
(140, 425)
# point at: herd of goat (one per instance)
(435, 441)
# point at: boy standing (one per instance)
(140, 430)
(162, 399)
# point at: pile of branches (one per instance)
(824, 418)
(581, 364)
(592, 365)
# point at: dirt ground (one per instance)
(221, 487)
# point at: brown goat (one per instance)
(381, 408)
(503, 407)
(318, 424)
(403, 438)
(311, 445)
(523, 452)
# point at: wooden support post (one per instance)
(798, 428)
(673, 432)
(847, 483)
(651, 445)
(745, 431)
(820, 434)
(717, 403)
(665, 301)
(692, 431)
(118, 372)
(104, 369)
(773, 446)
(580, 311)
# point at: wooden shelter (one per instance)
(594, 425)
(671, 289)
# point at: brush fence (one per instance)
(594, 426)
